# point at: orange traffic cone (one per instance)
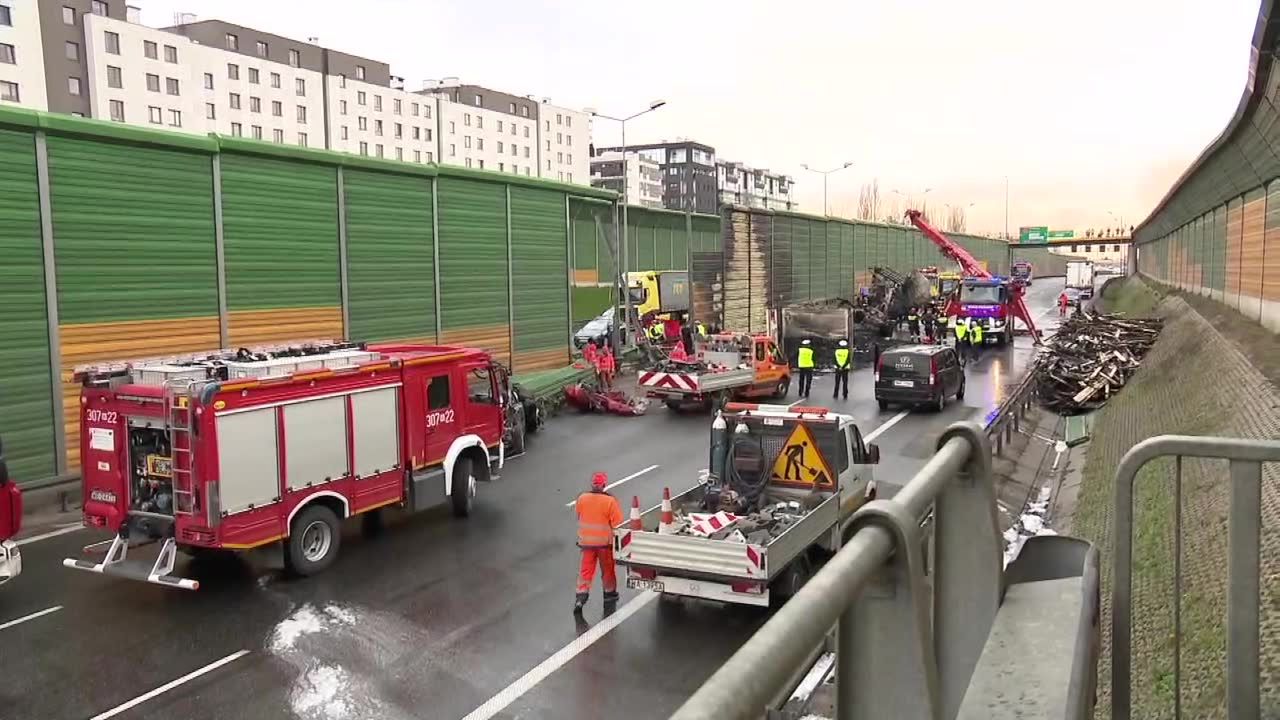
(667, 521)
(635, 513)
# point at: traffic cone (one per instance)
(667, 521)
(635, 513)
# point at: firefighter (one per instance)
(804, 364)
(657, 333)
(1063, 302)
(608, 366)
(589, 353)
(843, 364)
(913, 323)
(930, 321)
(598, 514)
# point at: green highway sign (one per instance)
(1061, 234)
(1033, 234)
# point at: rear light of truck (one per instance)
(95, 520)
(879, 365)
(755, 588)
(646, 574)
(933, 369)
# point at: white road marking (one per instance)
(887, 424)
(613, 485)
(32, 616)
(50, 534)
(170, 685)
(526, 682)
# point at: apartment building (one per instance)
(739, 184)
(637, 178)
(381, 120)
(688, 173)
(22, 77)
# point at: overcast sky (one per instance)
(1087, 106)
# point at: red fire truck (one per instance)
(10, 523)
(238, 450)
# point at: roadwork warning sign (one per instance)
(801, 463)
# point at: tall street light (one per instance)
(907, 198)
(824, 174)
(626, 186)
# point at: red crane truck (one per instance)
(10, 523)
(238, 450)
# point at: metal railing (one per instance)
(906, 644)
(1244, 523)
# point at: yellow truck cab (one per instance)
(658, 293)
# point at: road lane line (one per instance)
(887, 424)
(32, 616)
(50, 534)
(526, 682)
(170, 685)
(611, 486)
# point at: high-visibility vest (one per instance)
(961, 330)
(598, 514)
(656, 332)
(702, 330)
(977, 334)
(912, 318)
(804, 358)
(842, 358)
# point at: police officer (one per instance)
(962, 333)
(804, 364)
(702, 329)
(843, 364)
(975, 337)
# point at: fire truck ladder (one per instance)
(972, 268)
(179, 416)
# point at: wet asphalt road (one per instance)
(435, 617)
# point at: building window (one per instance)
(295, 59)
(68, 15)
(511, 108)
(253, 76)
(1073, 248)
(466, 141)
(513, 149)
(237, 129)
(208, 81)
(114, 77)
(417, 133)
(110, 39)
(413, 108)
(261, 48)
(151, 50)
(377, 128)
(8, 54)
(255, 104)
(210, 111)
(417, 156)
(569, 177)
(548, 163)
(153, 82)
(1115, 248)
(479, 121)
(499, 126)
(302, 114)
(399, 131)
(234, 98)
(479, 143)
(548, 142)
(73, 51)
(399, 153)
(568, 121)
(300, 85)
(524, 110)
(568, 140)
(377, 103)
(9, 91)
(360, 97)
(426, 111)
(154, 115)
(6, 16)
(526, 131)
(430, 156)
(569, 158)
(559, 119)
(233, 42)
(499, 146)
(98, 7)
(468, 162)
(377, 150)
(364, 148)
(362, 122)
(466, 119)
(344, 132)
(453, 150)
(117, 110)
(559, 138)
(480, 162)
(256, 131)
(548, 123)
(501, 167)
(233, 71)
(302, 139)
(513, 128)
(359, 72)
(395, 106)
(73, 85)
(277, 108)
(342, 107)
(275, 80)
(175, 118)
(170, 54)
(526, 151)
(560, 157)
(452, 128)
(428, 133)
(277, 136)
(171, 86)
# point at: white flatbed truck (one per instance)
(754, 573)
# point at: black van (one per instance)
(919, 375)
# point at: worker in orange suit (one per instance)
(1063, 302)
(608, 366)
(598, 514)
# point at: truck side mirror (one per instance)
(873, 454)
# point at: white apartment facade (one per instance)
(566, 143)
(638, 178)
(475, 137)
(738, 184)
(381, 121)
(22, 78)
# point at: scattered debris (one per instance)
(1029, 524)
(1090, 358)
(615, 402)
(756, 528)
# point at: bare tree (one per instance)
(956, 222)
(892, 215)
(869, 201)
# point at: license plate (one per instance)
(642, 584)
(904, 383)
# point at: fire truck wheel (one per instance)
(460, 496)
(783, 387)
(518, 430)
(313, 541)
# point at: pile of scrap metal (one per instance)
(587, 397)
(1090, 358)
(891, 295)
(545, 388)
(756, 527)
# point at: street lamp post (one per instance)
(824, 174)
(1006, 208)
(907, 198)
(626, 186)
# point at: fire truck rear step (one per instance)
(115, 564)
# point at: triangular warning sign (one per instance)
(801, 463)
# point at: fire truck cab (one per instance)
(10, 523)
(234, 450)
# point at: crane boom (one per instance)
(971, 268)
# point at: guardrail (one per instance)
(1244, 523)
(1008, 417)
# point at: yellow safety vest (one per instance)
(961, 330)
(702, 330)
(804, 358)
(977, 334)
(842, 358)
